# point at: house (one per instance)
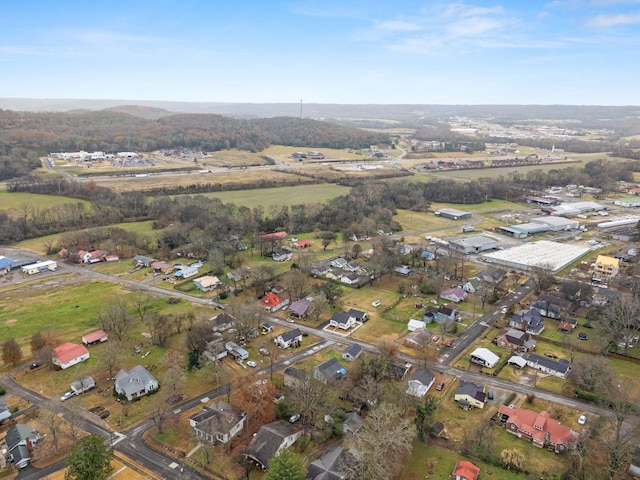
(484, 357)
(403, 270)
(465, 471)
(273, 236)
(440, 314)
(290, 338)
(207, 283)
(517, 361)
(135, 383)
(516, 340)
(186, 272)
(339, 263)
(420, 382)
(4, 411)
(142, 261)
(83, 385)
(301, 308)
(329, 371)
(546, 309)
(270, 440)
(69, 354)
(427, 255)
(529, 321)
(469, 394)
(350, 279)
(352, 352)
(222, 322)
(93, 256)
(472, 286)
(266, 328)
(236, 351)
(559, 368)
(353, 267)
(342, 320)
(605, 268)
(352, 423)
(419, 338)
(396, 371)
(334, 464)
(567, 325)
(293, 376)
(543, 431)
(334, 274)
(454, 294)
(215, 349)
(414, 324)
(282, 255)
(99, 336)
(301, 244)
(273, 302)
(359, 315)
(218, 422)
(20, 440)
(493, 276)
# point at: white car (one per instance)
(582, 419)
(376, 303)
(67, 395)
(252, 364)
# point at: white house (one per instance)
(454, 294)
(342, 320)
(69, 354)
(218, 422)
(287, 339)
(207, 283)
(484, 357)
(420, 382)
(135, 383)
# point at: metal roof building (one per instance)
(533, 254)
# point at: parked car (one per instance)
(440, 386)
(67, 395)
(264, 351)
(582, 419)
(376, 303)
(252, 364)
(34, 365)
(449, 343)
(294, 418)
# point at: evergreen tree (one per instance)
(89, 459)
(285, 466)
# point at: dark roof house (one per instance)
(270, 440)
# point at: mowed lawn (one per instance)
(53, 306)
(16, 200)
(267, 197)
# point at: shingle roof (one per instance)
(131, 381)
(290, 335)
(268, 440)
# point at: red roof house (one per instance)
(68, 354)
(537, 427)
(272, 302)
(302, 244)
(273, 236)
(465, 471)
(92, 338)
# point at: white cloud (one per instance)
(398, 26)
(466, 10)
(612, 20)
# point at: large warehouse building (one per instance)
(473, 244)
(554, 255)
(452, 214)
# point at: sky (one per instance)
(578, 52)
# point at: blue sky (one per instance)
(584, 52)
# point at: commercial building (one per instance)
(544, 253)
(473, 244)
(45, 266)
(452, 214)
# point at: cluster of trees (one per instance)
(112, 131)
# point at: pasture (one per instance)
(16, 201)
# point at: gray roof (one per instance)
(353, 350)
(300, 307)
(268, 440)
(358, 314)
(561, 366)
(424, 376)
(291, 334)
(131, 382)
(341, 318)
(330, 370)
(331, 465)
(353, 421)
(219, 417)
(471, 389)
(85, 384)
(295, 373)
(18, 433)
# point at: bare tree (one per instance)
(53, 422)
(320, 304)
(593, 373)
(623, 435)
(248, 317)
(159, 410)
(37, 342)
(161, 328)
(542, 276)
(382, 443)
(11, 352)
(388, 346)
(174, 374)
(142, 303)
(621, 318)
(308, 397)
(113, 355)
(295, 281)
(116, 319)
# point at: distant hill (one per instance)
(332, 112)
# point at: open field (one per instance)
(14, 201)
(267, 197)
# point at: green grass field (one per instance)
(267, 197)
(16, 200)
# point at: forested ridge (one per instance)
(25, 135)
